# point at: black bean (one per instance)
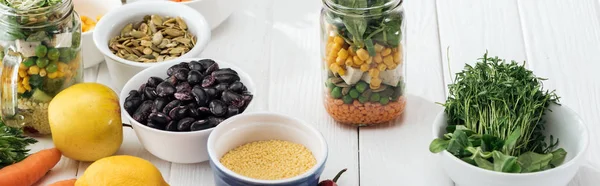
(205, 63)
(150, 93)
(172, 80)
(224, 71)
(194, 77)
(132, 104)
(247, 99)
(181, 74)
(195, 65)
(200, 125)
(159, 104)
(200, 96)
(232, 111)
(221, 87)
(133, 93)
(193, 111)
(151, 124)
(184, 65)
(208, 81)
(227, 78)
(214, 121)
(237, 87)
(185, 124)
(141, 89)
(183, 87)
(218, 108)
(171, 105)
(172, 126)
(154, 81)
(142, 112)
(171, 70)
(165, 89)
(191, 105)
(232, 98)
(159, 118)
(184, 96)
(211, 93)
(178, 112)
(204, 111)
(211, 68)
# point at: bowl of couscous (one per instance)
(90, 12)
(266, 149)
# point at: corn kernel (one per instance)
(328, 47)
(378, 48)
(364, 67)
(392, 67)
(336, 47)
(358, 62)
(341, 72)
(397, 57)
(34, 70)
(349, 62)
(62, 66)
(21, 90)
(386, 52)
(27, 87)
(381, 67)
(376, 81)
(388, 59)
(370, 60)
(334, 67)
(22, 66)
(330, 39)
(339, 40)
(339, 60)
(378, 58)
(98, 17)
(25, 80)
(374, 86)
(362, 54)
(22, 73)
(62, 74)
(343, 53)
(53, 75)
(43, 72)
(351, 51)
(374, 72)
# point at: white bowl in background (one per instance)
(110, 25)
(250, 127)
(215, 11)
(176, 147)
(92, 8)
(561, 122)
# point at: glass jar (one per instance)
(41, 55)
(363, 60)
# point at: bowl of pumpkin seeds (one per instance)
(136, 36)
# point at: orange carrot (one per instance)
(31, 169)
(70, 182)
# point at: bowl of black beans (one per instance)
(173, 107)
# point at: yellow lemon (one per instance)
(85, 120)
(121, 170)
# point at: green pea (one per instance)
(363, 99)
(29, 61)
(42, 62)
(361, 86)
(40, 51)
(384, 100)
(347, 99)
(336, 92)
(354, 93)
(52, 67)
(330, 85)
(65, 55)
(53, 54)
(375, 97)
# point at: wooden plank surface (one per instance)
(398, 152)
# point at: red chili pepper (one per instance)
(332, 182)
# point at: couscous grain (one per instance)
(269, 160)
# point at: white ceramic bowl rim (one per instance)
(584, 137)
(91, 32)
(146, 71)
(319, 164)
(199, 22)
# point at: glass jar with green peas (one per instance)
(41, 56)
(363, 60)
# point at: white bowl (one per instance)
(246, 128)
(562, 123)
(91, 9)
(176, 147)
(111, 24)
(215, 11)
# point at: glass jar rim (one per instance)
(344, 10)
(6, 11)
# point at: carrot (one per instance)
(31, 169)
(70, 182)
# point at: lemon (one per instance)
(121, 170)
(85, 121)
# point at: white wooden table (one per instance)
(277, 43)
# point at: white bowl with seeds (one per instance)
(136, 36)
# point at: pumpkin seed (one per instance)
(335, 80)
(382, 88)
(345, 90)
(181, 23)
(156, 19)
(342, 84)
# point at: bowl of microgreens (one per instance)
(501, 128)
